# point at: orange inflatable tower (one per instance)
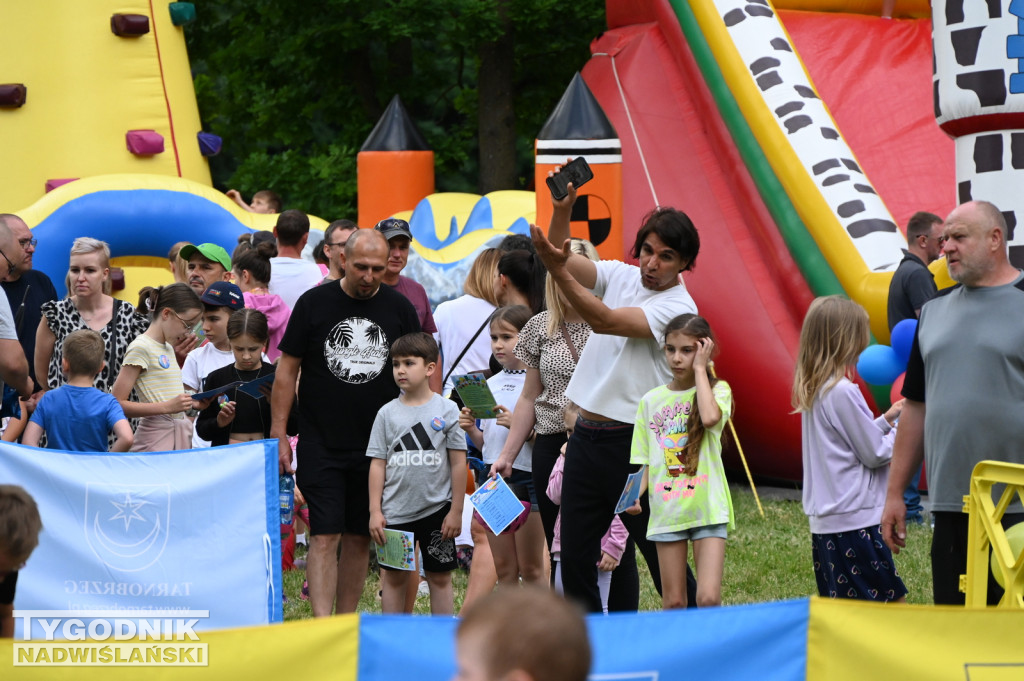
(395, 167)
(578, 127)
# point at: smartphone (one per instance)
(578, 172)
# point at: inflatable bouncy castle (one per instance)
(800, 136)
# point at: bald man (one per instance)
(339, 335)
(965, 391)
(26, 291)
(13, 364)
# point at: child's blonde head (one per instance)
(834, 334)
(530, 630)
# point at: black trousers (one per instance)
(596, 468)
(949, 557)
(546, 450)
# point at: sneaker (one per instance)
(423, 589)
(304, 593)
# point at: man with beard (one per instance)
(26, 290)
(965, 391)
(340, 336)
(13, 364)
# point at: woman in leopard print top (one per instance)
(88, 306)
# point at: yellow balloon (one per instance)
(1015, 535)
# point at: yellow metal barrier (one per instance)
(985, 529)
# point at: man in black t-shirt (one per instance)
(911, 287)
(26, 291)
(912, 283)
(339, 336)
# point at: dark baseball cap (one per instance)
(392, 227)
(224, 294)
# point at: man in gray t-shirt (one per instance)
(967, 368)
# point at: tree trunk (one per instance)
(496, 115)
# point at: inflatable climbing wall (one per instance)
(93, 87)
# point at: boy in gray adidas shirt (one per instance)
(418, 473)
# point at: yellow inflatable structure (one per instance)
(85, 88)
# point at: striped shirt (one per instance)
(160, 379)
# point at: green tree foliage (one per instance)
(295, 87)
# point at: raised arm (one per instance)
(581, 268)
(630, 322)
(281, 400)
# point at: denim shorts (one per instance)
(693, 534)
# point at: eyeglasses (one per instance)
(25, 243)
(10, 265)
(189, 326)
(336, 243)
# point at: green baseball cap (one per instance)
(211, 252)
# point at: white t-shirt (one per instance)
(291, 277)
(614, 372)
(8, 332)
(198, 365)
(457, 320)
(506, 387)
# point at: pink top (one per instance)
(277, 312)
(614, 540)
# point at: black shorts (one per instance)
(436, 553)
(336, 484)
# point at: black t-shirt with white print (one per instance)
(345, 344)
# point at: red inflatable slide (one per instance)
(876, 77)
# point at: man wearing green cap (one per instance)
(207, 263)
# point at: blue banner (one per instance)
(735, 642)
(195, 530)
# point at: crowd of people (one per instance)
(599, 369)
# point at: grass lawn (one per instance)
(766, 559)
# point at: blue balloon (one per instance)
(879, 365)
(902, 339)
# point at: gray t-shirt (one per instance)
(7, 330)
(415, 442)
(967, 365)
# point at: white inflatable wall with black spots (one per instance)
(765, 48)
(979, 101)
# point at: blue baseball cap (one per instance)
(223, 294)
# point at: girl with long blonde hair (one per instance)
(846, 452)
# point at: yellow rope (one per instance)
(736, 437)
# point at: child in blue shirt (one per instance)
(76, 416)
